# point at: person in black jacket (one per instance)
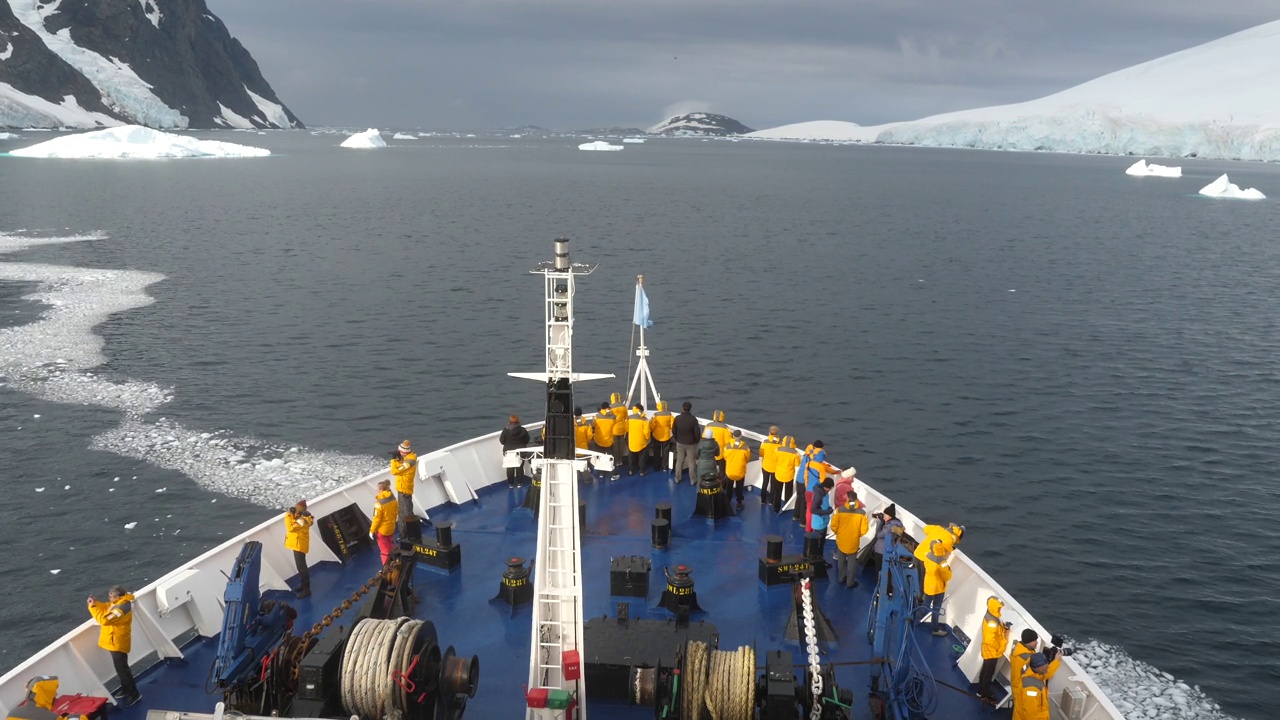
(514, 437)
(686, 432)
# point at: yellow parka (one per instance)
(660, 425)
(736, 457)
(297, 532)
(936, 573)
(995, 636)
(404, 470)
(619, 410)
(786, 459)
(582, 432)
(1031, 700)
(767, 447)
(849, 524)
(116, 619)
(637, 431)
(603, 426)
(720, 432)
(385, 510)
(948, 536)
(1018, 660)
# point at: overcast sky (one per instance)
(573, 64)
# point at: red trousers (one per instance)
(385, 543)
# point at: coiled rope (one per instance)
(376, 653)
(719, 684)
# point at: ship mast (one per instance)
(643, 377)
(556, 652)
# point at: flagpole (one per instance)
(643, 377)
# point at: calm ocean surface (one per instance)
(1081, 367)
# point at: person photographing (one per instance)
(297, 537)
(116, 637)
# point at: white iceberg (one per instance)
(1224, 188)
(366, 140)
(130, 526)
(135, 142)
(633, 141)
(9, 136)
(404, 136)
(1144, 169)
(599, 145)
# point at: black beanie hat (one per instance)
(892, 510)
(1029, 636)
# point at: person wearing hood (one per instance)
(404, 468)
(849, 523)
(660, 436)
(767, 448)
(786, 458)
(948, 535)
(297, 538)
(820, 511)
(816, 470)
(602, 430)
(1031, 702)
(844, 485)
(514, 437)
(736, 457)
(708, 448)
(638, 440)
(619, 410)
(995, 641)
(383, 527)
(937, 573)
(686, 432)
(722, 434)
(889, 525)
(116, 637)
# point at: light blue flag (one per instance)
(641, 316)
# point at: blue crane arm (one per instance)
(243, 603)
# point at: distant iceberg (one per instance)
(1224, 188)
(134, 142)
(599, 145)
(404, 136)
(1143, 169)
(366, 140)
(8, 136)
(633, 141)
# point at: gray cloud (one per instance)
(574, 63)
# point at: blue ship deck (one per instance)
(724, 558)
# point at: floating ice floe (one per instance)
(633, 141)
(1144, 169)
(599, 145)
(160, 490)
(132, 142)
(404, 136)
(1224, 188)
(1139, 690)
(367, 140)
(55, 571)
(130, 526)
(39, 489)
(8, 136)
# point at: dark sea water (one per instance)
(1081, 367)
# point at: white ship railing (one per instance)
(187, 602)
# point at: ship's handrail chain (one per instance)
(186, 602)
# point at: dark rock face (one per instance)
(177, 47)
(700, 123)
(33, 69)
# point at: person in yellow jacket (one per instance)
(786, 459)
(297, 537)
(637, 440)
(116, 637)
(937, 573)
(736, 457)
(404, 468)
(602, 427)
(767, 447)
(1020, 656)
(583, 431)
(995, 641)
(721, 433)
(948, 535)
(849, 523)
(385, 511)
(660, 433)
(1031, 702)
(620, 428)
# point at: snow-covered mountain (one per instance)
(159, 63)
(699, 123)
(1216, 100)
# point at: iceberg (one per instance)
(404, 136)
(1143, 169)
(135, 142)
(366, 140)
(633, 141)
(1224, 188)
(599, 145)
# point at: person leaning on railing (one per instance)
(638, 436)
(686, 433)
(767, 485)
(602, 429)
(116, 637)
(660, 433)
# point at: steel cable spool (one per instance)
(459, 675)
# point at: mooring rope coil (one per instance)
(730, 693)
(695, 679)
(377, 653)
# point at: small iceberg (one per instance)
(1143, 169)
(1224, 188)
(130, 526)
(367, 140)
(633, 141)
(131, 142)
(599, 145)
(404, 136)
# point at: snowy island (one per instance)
(699, 124)
(1216, 100)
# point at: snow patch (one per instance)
(404, 136)
(134, 142)
(273, 112)
(8, 53)
(1142, 169)
(599, 145)
(231, 119)
(819, 131)
(367, 140)
(1224, 188)
(18, 109)
(152, 11)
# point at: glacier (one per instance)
(1224, 188)
(368, 140)
(132, 142)
(1143, 169)
(1214, 100)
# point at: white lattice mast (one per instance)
(555, 653)
(643, 378)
